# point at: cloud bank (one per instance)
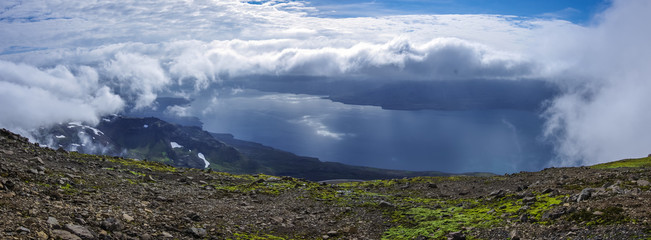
(605, 112)
(78, 60)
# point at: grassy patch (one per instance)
(435, 218)
(247, 236)
(144, 164)
(628, 163)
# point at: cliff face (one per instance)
(46, 193)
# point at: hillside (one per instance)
(54, 194)
(190, 146)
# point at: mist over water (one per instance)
(496, 141)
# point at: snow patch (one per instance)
(200, 155)
(60, 136)
(145, 126)
(78, 124)
(175, 145)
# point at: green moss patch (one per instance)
(628, 163)
(435, 218)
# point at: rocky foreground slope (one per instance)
(49, 194)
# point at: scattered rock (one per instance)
(585, 194)
(385, 204)
(194, 217)
(198, 232)
(22, 229)
(7, 152)
(497, 193)
(41, 235)
(53, 222)
(456, 236)
(332, 233)
(642, 183)
(277, 219)
(514, 235)
(528, 200)
(432, 185)
(112, 224)
(64, 235)
(127, 218)
(145, 237)
(80, 231)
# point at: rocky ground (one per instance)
(54, 194)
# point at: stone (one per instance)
(386, 204)
(514, 235)
(166, 235)
(112, 224)
(39, 160)
(22, 229)
(194, 217)
(64, 235)
(528, 199)
(80, 231)
(8, 152)
(497, 194)
(198, 232)
(432, 185)
(585, 194)
(598, 213)
(53, 222)
(277, 219)
(127, 218)
(642, 183)
(332, 233)
(456, 236)
(551, 215)
(41, 235)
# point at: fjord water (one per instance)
(497, 141)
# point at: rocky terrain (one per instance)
(55, 194)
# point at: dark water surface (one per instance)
(496, 141)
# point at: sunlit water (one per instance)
(496, 141)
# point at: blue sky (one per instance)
(577, 11)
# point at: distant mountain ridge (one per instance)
(190, 146)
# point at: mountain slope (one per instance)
(189, 146)
(67, 195)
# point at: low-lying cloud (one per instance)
(605, 112)
(79, 60)
(32, 97)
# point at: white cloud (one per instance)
(136, 76)
(605, 114)
(78, 60)
(33, 97)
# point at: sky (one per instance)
(578, 11)
(79, 60)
